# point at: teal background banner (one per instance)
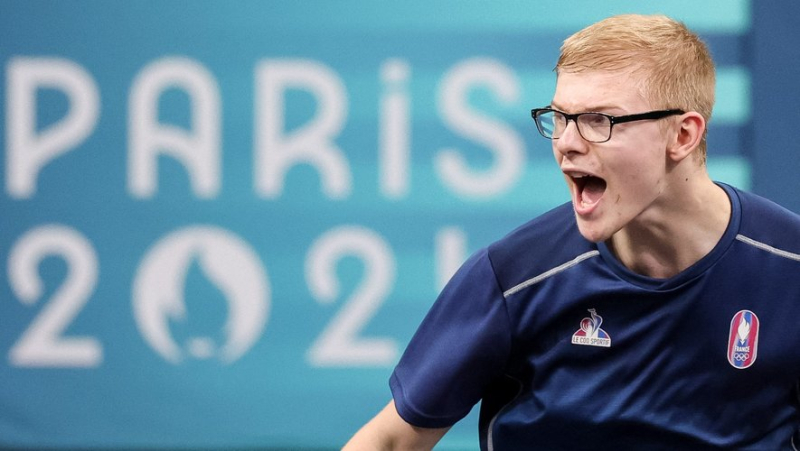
(221, 222)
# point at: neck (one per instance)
(679, 229)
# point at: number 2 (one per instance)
(43, 343)
(339, 343)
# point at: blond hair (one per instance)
(674, 64)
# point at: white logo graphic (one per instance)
(743, 331)
(229, 264)
(590, 333)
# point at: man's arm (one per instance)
(389, 431)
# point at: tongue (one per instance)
(593, 190)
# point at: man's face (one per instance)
(618, 182)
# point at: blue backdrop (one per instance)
(222, 221)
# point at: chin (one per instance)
(591, 232)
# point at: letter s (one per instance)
(502, 140)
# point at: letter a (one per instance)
(198, 150)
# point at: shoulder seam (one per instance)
(768, 248)
(499, 287)
(550, 272)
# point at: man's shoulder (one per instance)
(538, 246)
(759, 209)
(761, 213)
(767, 222)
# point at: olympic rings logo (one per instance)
(741, 357)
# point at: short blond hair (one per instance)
(675, 64)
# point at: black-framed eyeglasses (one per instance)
(593, 127)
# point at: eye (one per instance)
(594, 120)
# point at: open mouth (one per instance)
(589, 189)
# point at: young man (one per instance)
(658, 310)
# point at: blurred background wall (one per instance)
(221, 222)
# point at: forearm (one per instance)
(389, 432)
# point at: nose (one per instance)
(570, 140)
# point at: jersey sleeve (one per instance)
(460, 347)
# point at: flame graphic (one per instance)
(743, 331)
(229, 264)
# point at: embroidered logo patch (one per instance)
(743, 339)
(590, 333)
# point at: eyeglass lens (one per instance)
(593, 127)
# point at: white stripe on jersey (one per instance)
(548, 273)
(768, 248)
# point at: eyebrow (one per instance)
(594, 109)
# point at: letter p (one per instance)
(29, 151)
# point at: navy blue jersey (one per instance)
(566, 348)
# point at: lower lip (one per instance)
(584, 209)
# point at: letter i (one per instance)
(394, 133)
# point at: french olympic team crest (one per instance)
(590, 333)
(743, 339)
